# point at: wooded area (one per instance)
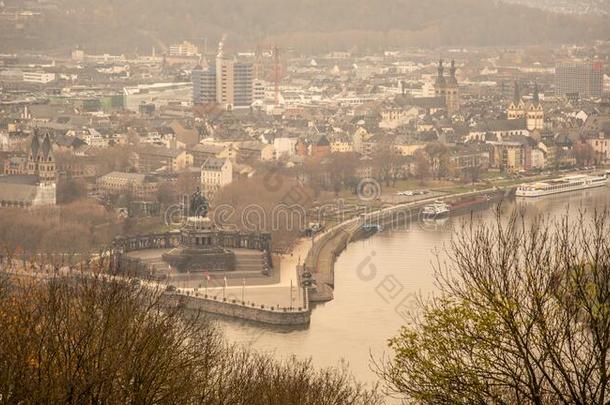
(307, 25)
(90, 340)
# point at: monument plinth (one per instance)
(199, 249)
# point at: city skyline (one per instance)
(304, 202)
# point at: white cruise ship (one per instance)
(561, 185)
(437, 209)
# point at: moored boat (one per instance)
(561, 185)
(437, 209)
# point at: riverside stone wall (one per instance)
(235, 309)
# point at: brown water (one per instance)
(376, 280)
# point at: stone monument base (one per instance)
(197, 260)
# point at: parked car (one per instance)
(405, 193)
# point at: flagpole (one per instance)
(243, 288)
(224, 289)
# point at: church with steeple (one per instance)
(532, 111)
(37, 185)
(41, 161)
(447, 88)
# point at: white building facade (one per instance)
(215, 174)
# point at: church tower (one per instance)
(535, 113)
(516, 109)
(452, 91)
(259, 66)
(440, 84)
(41, 160)
(448, 89)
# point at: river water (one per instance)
(376, 282)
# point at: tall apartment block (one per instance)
(243, 76)
(228, 82)
(204, 85)
(584, 79)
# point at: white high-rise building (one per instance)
(228, 82)
(584, 79)
(259, 88)
(224, 78)
(185, 49)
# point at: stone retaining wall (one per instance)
(263, 314)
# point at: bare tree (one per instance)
(386, 162)
(187, 183)
(422, 166)
(267, 202)
(472, 174)
(117, 158)
(70, 232)
(91, 339)
(70, 190)
(584, 154)
(342, 169)
(523, 316)
(167, 194)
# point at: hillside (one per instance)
(124, 25)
